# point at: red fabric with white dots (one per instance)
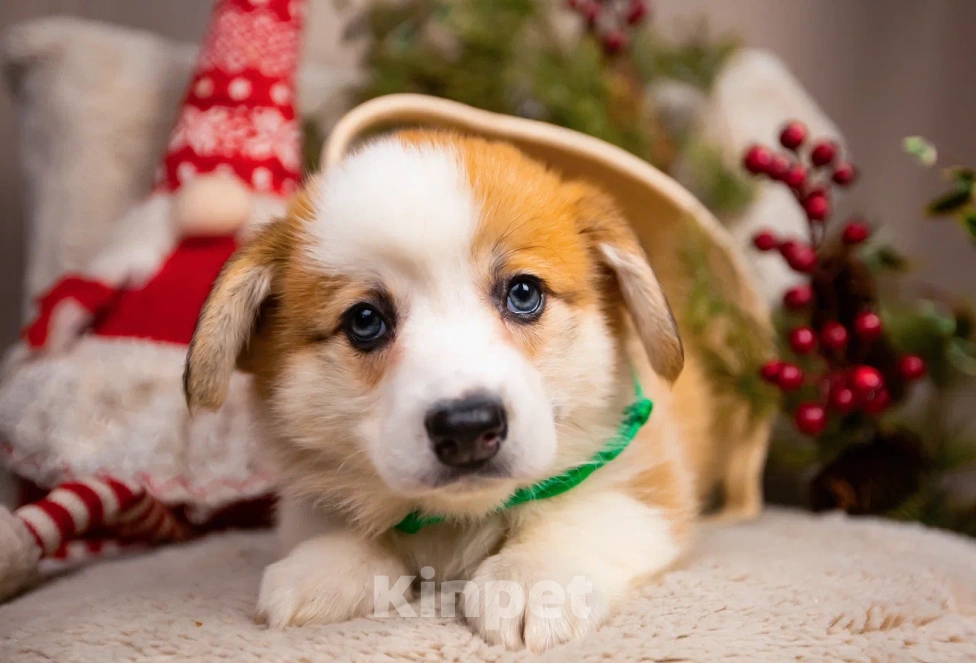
(238, 114)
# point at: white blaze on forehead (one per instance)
(393, 206)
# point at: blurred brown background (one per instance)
(881, 69)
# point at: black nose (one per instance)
(467, 432)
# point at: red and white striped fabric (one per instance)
(105, 508)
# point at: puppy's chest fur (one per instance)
(450, 552)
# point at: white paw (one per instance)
(516, 603)
(325, 580)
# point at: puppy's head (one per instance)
(430, 315)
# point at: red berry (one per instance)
(637, 12)
(844, 174)
(817, 206)
(591, 10)
(911, 367)
(614, 41)
(770, 371)
(843, 399)
(779, 167)
(856, 232)
(757, 159)
(796, 177)
(802, 258)
(877, 402)
(573, 4)
(790, 377)
(823, 153)
(765, 241)
(803, 340)
(798, 298)
(793, 135)
(810, 418)
(867, 326)
(834, 336)
(866, 380)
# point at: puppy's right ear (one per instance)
(229, 314)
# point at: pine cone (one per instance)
(871, 478)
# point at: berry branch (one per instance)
(853, 369)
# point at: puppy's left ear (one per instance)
(618, 247)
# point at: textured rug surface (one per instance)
(789, 587)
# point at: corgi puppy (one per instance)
(438, 322)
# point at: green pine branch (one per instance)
(505, 56)
(732, 344)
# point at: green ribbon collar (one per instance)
(635, 416)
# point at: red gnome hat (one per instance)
(238, 124)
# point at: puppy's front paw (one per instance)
(324, 581)
(514, 602)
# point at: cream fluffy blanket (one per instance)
(788, 587)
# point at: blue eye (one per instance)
(365, 327)
(524, 297)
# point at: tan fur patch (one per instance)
(528, 220)
(527, 227)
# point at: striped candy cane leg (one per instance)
(77, 508)
(148, 519)
(73, 509)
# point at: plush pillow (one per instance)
(96, 105)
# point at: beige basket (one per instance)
(665, 215)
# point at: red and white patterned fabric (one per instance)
(106, 508)
(238, 115)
